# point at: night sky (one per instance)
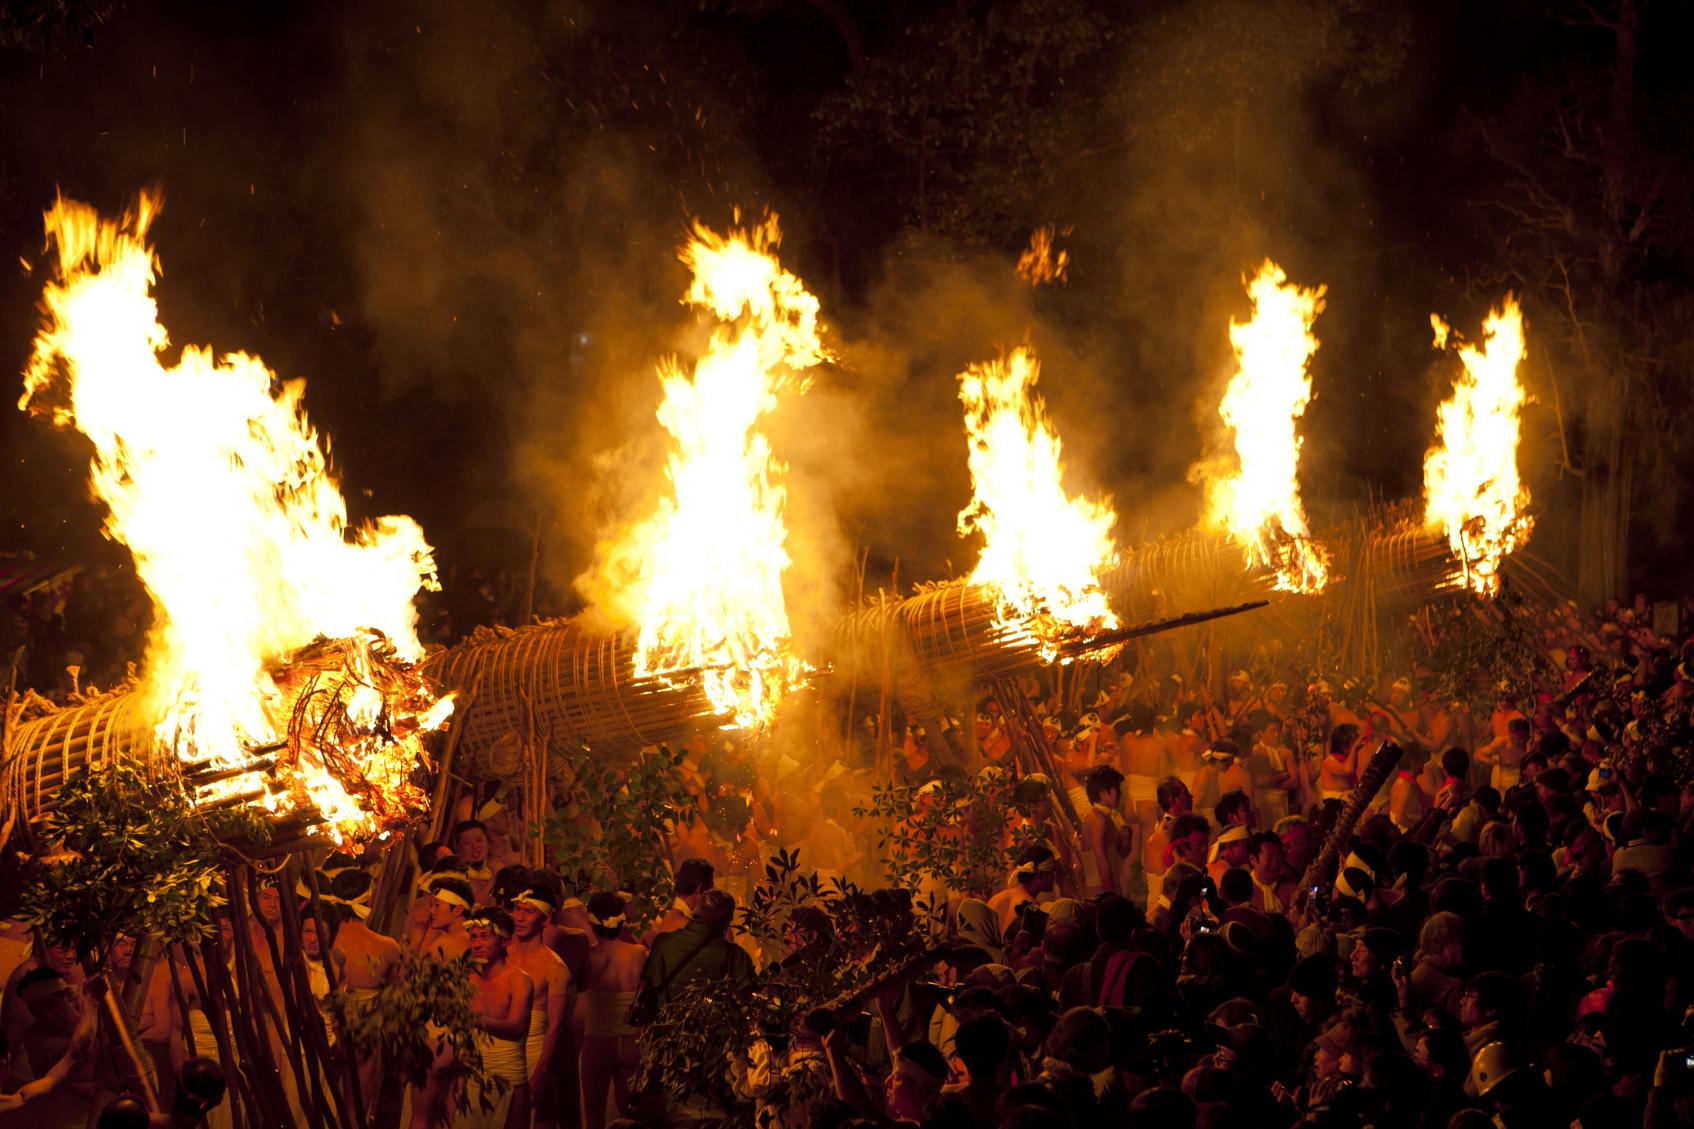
(460, 226)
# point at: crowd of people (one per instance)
(1201, 919)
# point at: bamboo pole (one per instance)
(214, 1007)
(260, 1007)
(253, 1054)
(290, 1029)
(304, 1012)
(349, 1061)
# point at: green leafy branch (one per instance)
(613, 831)
(127, 855)
(411, 1021)
(952, 832)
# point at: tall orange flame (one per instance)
(1470, 478)
(1259, 504)
(703, 574)
(1043, 549)
(215, 480)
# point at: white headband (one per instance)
(443, 894)
(612, 922)
(1234, 833)
(534, 901)
(359, 905)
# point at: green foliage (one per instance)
(428, 1009)
(1477, 652)
(954, 833)
(783, 890)
(613, 833)
(687, 1051)
(129, 855)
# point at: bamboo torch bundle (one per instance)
(349, 724)
(569, 682)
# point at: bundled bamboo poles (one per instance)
(562, 681)
(1395, 564)
(46, 745)
(349, 717)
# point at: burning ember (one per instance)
(1260, 503)
(703, 574)
(1039, 264)
(1470, 480)
(215, 480)
(1043, 549)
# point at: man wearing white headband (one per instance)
(613, 976)
(444, 931)
(1036, 873)
(548, 1040)
(504, 994)
(1228, 851)
(368, 959)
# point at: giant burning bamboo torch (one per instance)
(280, 669)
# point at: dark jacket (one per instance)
(717, 959)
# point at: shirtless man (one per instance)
(1270, 766)
(609, 1050)
(444, 933)
(1338, 772)
(1406, 723)
(14, 1014)
(1142, 753)
(1407, 801)
(1240, 701)
(1186, 746)
(154, 1022)
(548, 1042)
(503, 1001)
(1223, 773)
(832, 845)
(1106, 838)
(1504, 756)
(58, 1038)
(1037, 869)
(993, 739)
(1174, 801)
(443, 936)
(365, 958)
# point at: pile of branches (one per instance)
(359, 713)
